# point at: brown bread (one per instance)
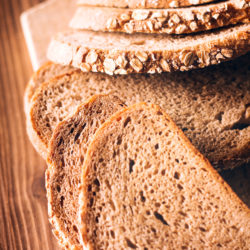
(145, 186)
(167, 21)
(66, 155)
(211, 106)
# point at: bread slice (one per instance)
(45, 72)
(145, 186)
(120, 53)
(170, 21)
(137, 4)
(211, 105)
(66, 155)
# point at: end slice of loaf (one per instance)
(168, 21)
(211, 105)
(145, 186)
(46, 71)
(137, 4)
(66, 155)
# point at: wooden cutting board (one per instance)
(43, 21)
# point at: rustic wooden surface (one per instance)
(23, 209)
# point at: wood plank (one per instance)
(23, 206)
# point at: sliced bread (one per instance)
(211, 105)
(170, 21)
(145, 186)
(66, 155)
(159, 4)
(46, 71)
(120, 53)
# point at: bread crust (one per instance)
(160, 4)
(134, 57)
(166, 21)
(30, 88)
(226, 190)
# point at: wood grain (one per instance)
(23, 207)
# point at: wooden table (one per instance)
(23, 207)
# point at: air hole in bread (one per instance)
(180, 187)
(148, 212)
(240, 126)
(79, 132)
(219, 116)
(163, 172)
(75, 228)
(159, 113)
(126, 122)
(184, 129)
(91, 202)
(119, 140)
(177, 175)
(130, 244)
(159, 217)
(153, 230)
(112, 234)
(62, 200)
(177, 160)
(58, 188)
(96, 182)
(131, 164)
(182, 213)
(156, 146)
(60, 142)
(202, 229)
(186, 226)
(143, 199)
(184, 247)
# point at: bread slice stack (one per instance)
(121, 173)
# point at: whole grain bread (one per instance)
(45, 72)
(66, 155)
(137, 4)
(145, 186)
(120, 53)
(211, 105)
(170, 21)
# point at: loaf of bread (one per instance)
(169, 21)
(120, 53)
(143, 3)
(145, 186)
(66, 155)
(211, 105)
